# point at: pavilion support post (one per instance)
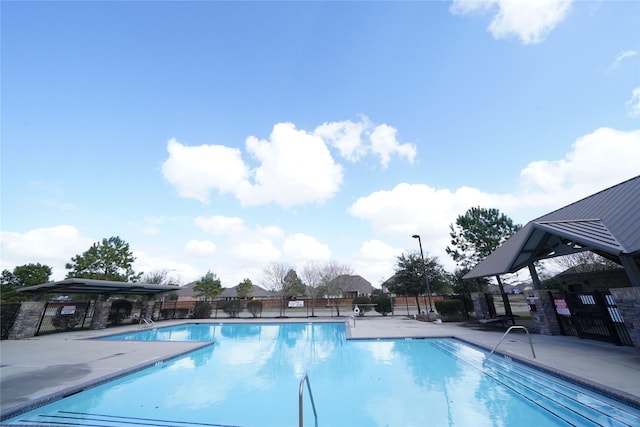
(631, 268)
(28, 320)
(480, 305)
(505, 300)
(534, 276)
(148, 304)
(100, 313)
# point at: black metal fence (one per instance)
(592, 315)
(8, 314)
(65, 316)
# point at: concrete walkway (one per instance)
(45, 368)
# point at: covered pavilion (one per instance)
(31, 312)
(606, 223)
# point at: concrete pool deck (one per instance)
(47, 367)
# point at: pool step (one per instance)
(561, 398)
(69, 418)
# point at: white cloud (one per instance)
(259, 252)
(530, 20)
(634, 103)
(196, 171)
(355, 140)
(221, 225)
(621, 56)
(52, 246)
(385, 144)
(295, 168)
(597, 160)
(200, 248)
(376, 261)
(346, 136)
(301, 248)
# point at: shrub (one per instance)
(232, 307)
(254, 307)
(174, 313)
(450, 309)
(66, 322)
(202, 310)
(363, 303)
(383, 304)
(120, 310)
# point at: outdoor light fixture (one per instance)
(424, 273)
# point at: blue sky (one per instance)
(224, 136)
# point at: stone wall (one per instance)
(480, 305)
(543, 312)
(628, 303)
(100, 315)
(28, 320)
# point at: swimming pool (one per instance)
(250, 377)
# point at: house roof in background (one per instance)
(187, 291)
(607, 223)
(354, 283)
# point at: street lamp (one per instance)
(424, 273)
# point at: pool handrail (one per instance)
(148, 323)
(505, 335)
(313, 404)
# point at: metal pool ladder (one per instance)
(313, 404)
(504, 336)
(148, 323)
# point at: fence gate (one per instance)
(595, 316)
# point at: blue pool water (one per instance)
(250, 376)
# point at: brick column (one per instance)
(100, 315)
(628, 303)
(28, 320)
(543, 312)
(480, 305)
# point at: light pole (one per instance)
(424, 273)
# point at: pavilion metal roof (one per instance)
(93, 287)
(607, 223)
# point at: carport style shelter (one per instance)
(97, 287)
(606, 223)
(30, 313)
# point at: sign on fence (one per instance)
(68, 309)
(561, 307)
(296, 303)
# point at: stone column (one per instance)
(100, 314)
(543, 312)
(28, 320)
(480, 305)
(146, 312)
(628, 303)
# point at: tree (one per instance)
(585, 262)
(331, 273)
(22, 275)
(159, 277)
(110, 259)
(312, 278)
(477, 233)
(208, 286)
(409, 276)
(244, 288)
(274, 277)
(32, 274)
(294, 285)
